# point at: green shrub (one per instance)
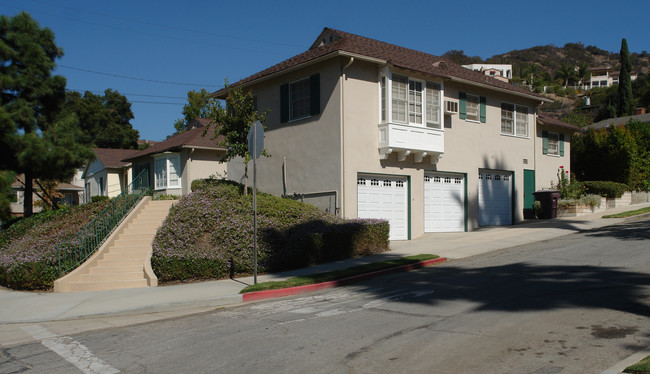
(605, 188)
(166, 197)
(589, 200)
(99, 198)
(213, 225)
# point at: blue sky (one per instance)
(153, 52)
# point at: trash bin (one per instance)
(548, 199)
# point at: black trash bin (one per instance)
(548, 199)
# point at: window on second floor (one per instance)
(514, 120)
(552, 143)
(472, 107)
(300, 99)
(412, 101)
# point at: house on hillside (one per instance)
(107, 174)
(173, 164)
(368, 129)
(605, 76)
(498, 71)
(70, 193)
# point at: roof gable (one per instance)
(112, 158)
(192, 138)
(331, 43)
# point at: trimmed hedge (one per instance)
(213, 226)
(606, 189)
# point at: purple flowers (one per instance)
(215, 224)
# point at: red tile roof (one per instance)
(112, 158)
(187, 139)
(394, 55)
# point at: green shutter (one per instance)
(314, 94)
(462, 105)
(482, 112)
(284, 103)
(562, 145)
(545, 142)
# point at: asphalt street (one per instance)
(575, 304)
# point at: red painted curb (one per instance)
(262, 295)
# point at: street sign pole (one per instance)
(254, 208)
(255, 146)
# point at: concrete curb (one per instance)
(270, 294)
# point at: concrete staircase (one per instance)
(124, 261)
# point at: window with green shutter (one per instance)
(300, 99)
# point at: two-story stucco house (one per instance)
(368, 129)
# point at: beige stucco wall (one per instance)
(329, 151)
(546, 166)
(200, 164)
(309, 148)
(469, 146)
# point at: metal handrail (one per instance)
(74, 251)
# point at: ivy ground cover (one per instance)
(28, 258)
(208, 234)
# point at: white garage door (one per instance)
(386, 198)
(494, 198)
(444, 203)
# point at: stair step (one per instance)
(115, 269)
(101, 286)
(112, 263)
(123, 256)
(116, 277)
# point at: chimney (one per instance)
(639, 111)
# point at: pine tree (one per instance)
(624, 82)
(34, 139)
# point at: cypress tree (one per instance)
(624, 82)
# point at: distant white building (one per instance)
(499, 71)
(604, 76)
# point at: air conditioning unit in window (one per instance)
(451, 107)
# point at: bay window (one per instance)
(167, 171)
(411, 101)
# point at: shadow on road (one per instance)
(528, 286)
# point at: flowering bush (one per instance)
(28, 258)
(211, 229)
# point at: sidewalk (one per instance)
(25, 307)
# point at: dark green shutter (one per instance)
(284, 103)
(462, 105)
(482, 112)
(314, 94)
(562, 145)
(545, 142)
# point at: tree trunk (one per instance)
(246, 178)
(28, 203)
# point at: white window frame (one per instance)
(475, 115)
(553, 144)
(519, 122)
(162, 181)
(304, 100)
(425, 113)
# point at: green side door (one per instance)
(529, 198)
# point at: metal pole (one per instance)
(254, 207)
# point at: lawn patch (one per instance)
(629, 213)
(338, 274)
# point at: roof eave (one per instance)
(221, 94)
(503, 90)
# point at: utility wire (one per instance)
(135, 78)
(128, 94)
(139, 22)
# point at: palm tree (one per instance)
(566, 72)
(583, 73)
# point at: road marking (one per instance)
(72, 351)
